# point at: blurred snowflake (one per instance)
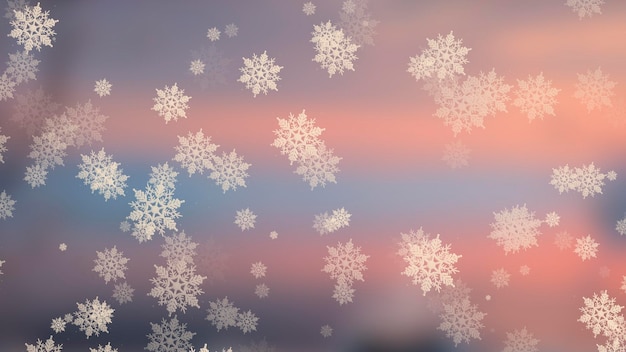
(171, 103)
(552, 219)
(62, 247)
(461, 321)
(15, 5)
(111, 264)
(261, 290)
(273, 235)
(33, 28)
(357, 22)
(326, 331)
(102, 174)
(586, 247)
(7, 205)
(456, 154)
(515, 229)
(320, 169)
(7, 87)
(620, 226)
(195, 152)
(102, 87)
(500, 278)
(308, 8)
(222, 314)
(169, 336)
(536, 97)
(231, 30)
(259, 74)
(443, 59)
(22, 67)
(258, 270)
(32, 108)
(3, 140)
(520, 341)
(215, 67)
(212, 260)
(105, 348)
(92, 317)
(123, 293)
(48, 150)
(563, 240)
(335, 52)
(229, 171)
(179, 247)
(196, 67)
(524, 270)
(245, 219)
(585, 8)
(89, 121)
(48, 346)
(594, 89)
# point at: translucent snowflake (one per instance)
(1, 262)
(320, 169)
(564, 179)
(229, 171)
(259, 74)
(154, 210)
(601, 315)
(177, 286)
(345, 262)
(33, 28)
(590, 180)
(92, 317)
(524, 270)
(623, 287)
(12, 5)
(102, 87)
(222, 314)
(48, 150)
(500, 278)
(231, 30)
(348, 6)
(245, 219)
(447, 295)
(443, 59)
(195, 152)
(3, 140)
(212, 260)
(7, 87)
(563, 240)
(32, 108)
(326, 331)
(604, 272)
(179, 247)
(123, 293)
(7, 205)
(65, 128)
(460, 106)
(335, 52)
(552, 219)
(89, 121)
(213, 34)
(260, 346)
(48, 346)
(594, 89)
(520, 341)
(308, 8)
(258, 270)
(321, 224)
(535, 97)
(247, 322)
(261, 290)
(111, 264)
(273, 235)
(620, 226)
(62, 247)
(22, 67)
(171, 103)
(297, 137)
(357, 22)
(430, 263)
(216, 67)
(456, 154)
(325, 223)
(106, 348)
(169, 336)
(343, 292)
(585, 8)
(125, 226)
(196, 67)
(102, 174)
(491, 90)
(461, 321)
(515, 229)
(586, 247)
(163, 174)
(58, 325)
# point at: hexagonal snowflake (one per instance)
(297, 137)
(48, 150)
(169, 336)
(154, 210)
(7, 205)
(461, 321)
(357, 23)
(308, 8)
(229, 171)
(231, 30)
(259, 74)
(500, 278)
(620, 226)
(196, 67)
(163, 174)
(520, 341)
(586, 247)
(535, 97)
(245, 219)
(102, 87)
(213, 34)
(102, 174)
(456, 154)
(443, 59)
(123, 293)
(326, 331)
(111, 264)
(261, 290)
(22, 67)
(177, 286)
(515, 229)
(12, 6)
(58, 325)
(64, 127)
(179, 247)
(7, 87)
(585, 8)
(89, 121)
(32, 108)
(3, 140)
(335, 52)
(258, 270)
(222, 314)
(601, 315)
(563, 240)
(319, 169)
(594, 89)
(247, 322)
(195, 152)
(345, 262)
(48, 346)
(171, 103)
(92, 317)
(552, 219)
(215, 67)
(33, 28)
(591, 180)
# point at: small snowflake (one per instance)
(258, 270)
(62, 247)
(308, 8)
(585, 8)
(48, 346)
(125, 226)
(524, 270)
(6, 205)
(563, 240)
(48, 150)
(222, 314)
(3, 140)
(231, 30)
(229, 171)
(35, 175)
(273, 235)
(343, 293)
(179, 246)
(620, 226)
(58, 325)
(102, 88)
(177, 286)
(245, 219)
(123, 293)
(456, 155)
(195, 152)
(102, 174)
(500, 278)
(326, 331)
(33, 28)
(520, 341)
(259, 74)
(111, 264)
(163, 174)
(169, 336)
(552, 219)
(213, 34)
(1, 262)
(586, 247)
(247, 322)
(92, 317)
(196, 67)
(171, 103)
(261, 290)
(22, 67)
(536, 97)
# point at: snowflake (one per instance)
(222, 314)
(62, 247)
(520, 341)
(179, 247)
(594, 89)
(7, 205)
(461, 321)
(7, 87)
(491, 91)
(195, 152)
(48, 346)
(321, 224)
(22, 67)
(564, 179)
(33, 28)
(213, 34)
(335, 52)
(524, 270)
(261, 290)
(171, 103)
(123, 293)
(535, 97)
(102, 174)
(500, 278)
(460, 106)
(212, 260)
(590, 180)
(102, 88)
(340, 218)
(326, 331)
(106, 348)
(58, 325)
(623, 287)
(515, 229)
(444, 59)
(92, 317)
(215, 69)
(169, 336)
(585, 7)
(111, 264)
(273, 235)
(343, 293)
(348, 6)
(12, 6)
(196, 67)
(177, 286)
(63, 127)
(48, 150)
(297, 137)
(586, 247)
(430, 263)
(563, 240)
(308, 8)
(601, 315)
(231, 30)
(620, 226)
(258, 270)
(245, 219)
(449, 294)
(357, 22)
(3, 140)
(1, 262)
(229, 171)
(456, 155)
(89, 121)
(325, 223)
(32, 108)
(124, 226)
(345, 262)
(259, 74)
(163, 174)
(247, 321)
(552, 219)
(154, 210)
(604, 272)
(320, 169)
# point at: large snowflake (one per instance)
(443, 59)
(297, 137)
(229, 171)
(48, 346)
(154, 210)
(48, 150)
(102, 174)
(335, 52)
(259, 74)
(179, 247)
(177, 286)
(535, 97)
(430, 263)
(345, 262)
(222, 314)
(520, 341)
(92, 317)
(110, 264)
(357, 23)
(585, 8)
(22, 67)
(594, 89)
(169, 336)
(601, 315)
(7, 205)
(515, 229)
(90, 123)
(195, 152)
(33, 28)
(319, 169)
(461, 321)
(586, 247)
(171, 103)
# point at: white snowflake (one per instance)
(163, 174)
(273, 235)
(601, 315)
(48, 346)
(102, 174)
(620, 226)
(154, 210)
(58, 325)
(500, 278)
(564, 179)
(493, 93)
(7, 205)
(213, 34)
(552, 219)
(247, 322)
(536, 97)
(297, 137)
(64, 128)
(7, 87)
(586, 247)
(231, 30)
(585, 8)
(48, 150)
(343, 293)
(259, 74)
(111, 264)
(515, 229)
(308, 8)
(326, 331)
(125, 226)
(33, 28)
(321, 224)
(261, 290)
(169, 336)
(89, 121)
(3, 140)
(229, 171)
(594, 89)
(92, 317)
(179, 247)
(102, 87)
(105, 348)
(177, 286)
(222, 314)
(123, 293)
(62, 247)
(563, 240)
(171, 103)
(590, 180)
(524, 270)
(461, 321)
(197, 67)
(320, 169)
(357, 23)
(520, 341)
(31, 109)
(345, 262)
(460, 105)
(258, 270)
(35, 175)
(22, 67)
(245, 219)
(456, 155)
(335, 52)
(443, 59)
(195, 152)
(447, 295)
